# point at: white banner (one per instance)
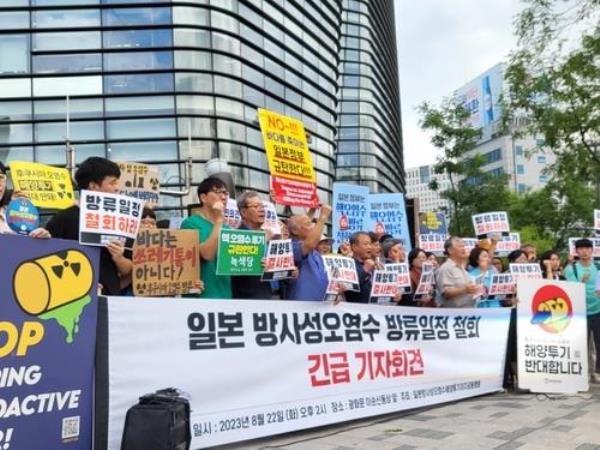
(491, 223)
(259, 368)
(552, 336)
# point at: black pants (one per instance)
(593, 323)
(511, 350)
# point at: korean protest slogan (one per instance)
(350, 211)
(46, 186)
(279, 263)
(48, 316)
(140, 181)
(387, 214)
(293, 178)
(240, 252)
(165, 262)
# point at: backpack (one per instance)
(160, 421)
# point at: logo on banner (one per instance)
(552, 309)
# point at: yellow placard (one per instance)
(286, 146)
(46, 186)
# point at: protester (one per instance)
(252, 210)
(585, 271)
(453, 281)
(98, 175)
(393, 251)
(376, 248)
(5, 199)
(481, 269)
(311, 283)
(550, 265)
(345, 249)
(208, 220)
(498, 264)
(432, 259)
(530, 251)
(517, 257)
(148, 221)
(363, 251)
(324, 245)
(416, 258)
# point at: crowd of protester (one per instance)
(461, 278)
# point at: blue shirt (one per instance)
(311, 283)
(592, 301)
(487, 282)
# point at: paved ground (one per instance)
(503, 421)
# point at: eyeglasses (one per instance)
(220, 191)
(257, 206)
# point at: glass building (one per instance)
(141, 73)
(369, 141)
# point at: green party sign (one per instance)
(240, 252)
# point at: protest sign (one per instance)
(508, 244)
(595, 247)
(552, 336)
(341, 269)
(426, 286)
(46, 186)
(502, 284)
(21, 216)
(279, 263)
(597, 221)
(140, 181)
(350, 211)
(525, 271)
(47, 343)
(232, 216)
(432, 223)
(240, 252)
(108, 217)
(433, 243)
(403, 275)
(332, 363)
(165, 262)
(489, 224)
(384, 287)
(271, 220)
(387, 215)
(470, 244)
(293, 179)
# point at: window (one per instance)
(200, 128)
(192, 38)
(77, 40)
(63, 2)
(55, 154)
(136, 16)
(72, 18)
(78, 108)
(10, 111)
(194, 104)
(520, 169)
(541, 159)
(424, 174)
(496, 172)
(12, 134)
(63, 86)
(14, 19)
(139, 106)
(519, 150)
(493, 156)
(84, 62)
(146, 128)
(56, 131)
(543, 178)
(120, 84)
(126, 61)
(540, 142)
(193, 82)
(137, 38)
(150, 151)
(190, 15)
(14, 54)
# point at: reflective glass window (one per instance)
(75, 40)
(192, 38)
(199, 127)
(55, 154)
(63, 86)
(63, 2)
(193, 82)
(227, 86)
(146, 128)
(140, 106)
(224, 21)
(136, 16)
(221, 41)
(191, 59)
(15, 3)
(120, 84)
(68, 18)
(190, 15)
(137, 38)
(200, 150)
(231, 130)
(195, 104)
(14, 19)
(10, 111)
(14, 54)
(226, 107)
(138, 60)
(15, 133)
(84, 62)
(143, 151)
(15, 87)
(57, 131)
(225, 64)
(8, 154)
(78, 108)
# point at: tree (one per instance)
(554, 79)
(471, 189)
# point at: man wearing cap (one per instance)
(585, 271)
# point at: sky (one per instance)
(442, 45)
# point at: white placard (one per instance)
(271, 220)
(491, 223)
(341, 269)
(433, 242)
(232, 214)
(403, 275)
(279, 260)
(508, 244)
(384, 286)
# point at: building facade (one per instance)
(369, 141)
(417, 187)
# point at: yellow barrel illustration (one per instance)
(53, 280)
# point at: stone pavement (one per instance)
(501, 421)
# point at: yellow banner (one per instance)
(46, 186)
(286, 146)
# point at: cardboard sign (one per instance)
(46, 186)
(387, 214)
(140, 181)
(165, 262)
(595, 244)
(384, 287)
(502, 284)
(490, 224)
(403, 273)
(552, 336)
(350, 211)
(240, 252)
(271, 220)
(508, 244)
(597, 221)
(231, 214)
(293, 179)
(432, 223)
(21, 216)
(340, 269)
(525, 272)
(108, 217)
(433, 243)
(426, 286)
(279, 263)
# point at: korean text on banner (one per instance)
(508, 244)
(293, 178)
(350, 211)
(165, 262)
(433, 242)
(108, 217)
(333, 363)
(489, 224)
(46, 186)
(432, 222)
(232, 214)
(48, 318)
(240, 252)
(552, 336)
(271, 220)
(384, 287)
(140, 181)
(387, 214)
(279, 262)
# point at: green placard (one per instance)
(240, 252)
